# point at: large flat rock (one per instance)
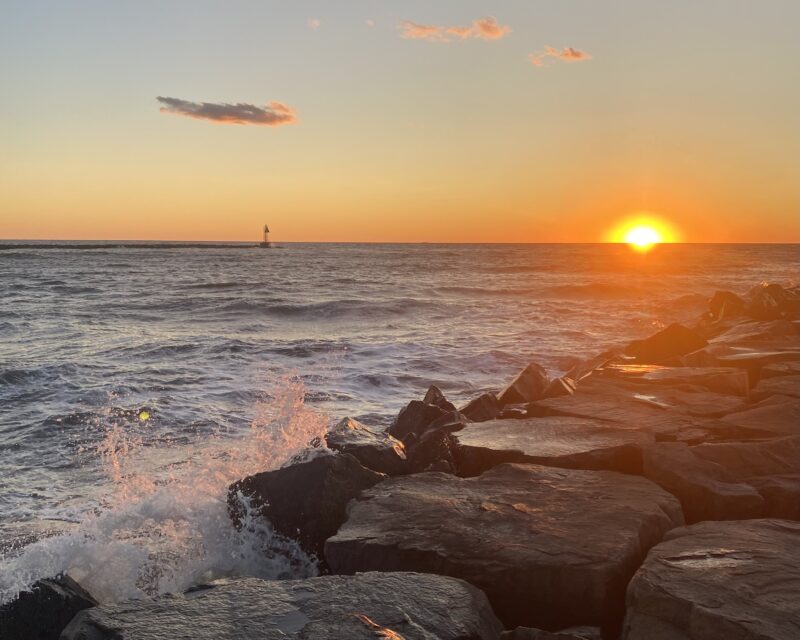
(551, 547)
(555, 441)
(775, 416)
(364, 607)
(719, 581)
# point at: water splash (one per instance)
(164, 525)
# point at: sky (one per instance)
(399, 120)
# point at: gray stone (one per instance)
(42, 612)
(415, 418)
(781, 495)
(554, 441)
(550, 547)
(719, 581)
(363, 607)
(435, 396)
(743, 460)
(724, 380)
(376, 450)
(307, 501)
(529, 385)
(775, 416)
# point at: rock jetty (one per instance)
(650, 492)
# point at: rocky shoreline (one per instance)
(650, 493)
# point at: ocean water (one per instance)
(137, 381)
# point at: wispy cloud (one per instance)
(568, 54)
(370, 22)
(482, 29)
(273, 114)
(314, 23)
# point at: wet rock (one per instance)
(725, 380)
(668, 412)
(415, 418)
(537, 540)
(586, 368)
(305, 501)
(529, 385)
(675, 340)
(556, 441)
(484, 407)
(450, 421)
(726, 304)
(706, 490)
(719, 581)
(434, 451)
(42, 612)
(767, 302)
(363, 607)
(514, 412)
(435, 396)
(375, 450)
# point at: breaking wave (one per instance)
(164, 526)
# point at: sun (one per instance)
(643, 238)
(642, 232)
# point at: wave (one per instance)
(487, 291)
(333, 309)
(598, 290)
(164, 526)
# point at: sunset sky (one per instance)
(389, 120)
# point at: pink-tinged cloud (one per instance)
(273, 114)
(314, 24)
(568, 54)
(482, 29)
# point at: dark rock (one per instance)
(743, 460)
(306, 501)
(767, 302)
(550, 547)
(529, 385)
(415, 418)
(586, 368)
(450, 421)
(435, 396)
(779, 385)
(556, 441)
(363, 607)
(725, 380)
(42, 612)
(726, 304)
(719, 581)
(484, 407)
(563, 386)
(675, 340)
(574, 633)
(706, 490)
(434, 451)
(375, 450)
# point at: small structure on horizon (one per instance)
(266, 243)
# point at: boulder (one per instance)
(554, 441)
(42, 612)
(779, 385)
(305, 501)
(550, 547)
(363, 607)
(774, 416)
(574, 633)
(675, 340)
(415, 418)
(450, 421)
(375, 450)
(744, 460)
(563, 386)
(529, 385)
(484, 407)
(767, 301)
(781, 495)
(719, 581)
(434, 451)
(706, 490)
(724, 380)
(435, 396)
(725, 304)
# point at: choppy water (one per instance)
(136, 382)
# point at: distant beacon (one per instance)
(266, 244)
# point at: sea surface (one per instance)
(138, 380)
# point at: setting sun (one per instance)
(643, 232)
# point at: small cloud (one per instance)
(314, 24)
(273, 114)
(482, 29)
(370, 22)
(568, 54)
